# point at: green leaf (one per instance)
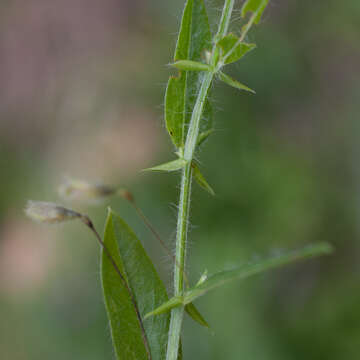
(256, 6)
(175, 108)
(244, 272)
(170, 166)
(194, 313)
(180, 97)
(234, 83)
(143, 285)
(190, 65)
(175, 301)
(200, 179)
(204, 135)
(228, 42)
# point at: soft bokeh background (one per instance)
(81, 94)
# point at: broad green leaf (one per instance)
(146, 288)
(190, 65)
(256, 6)
(227, 44)
(194, 313)
(170, 166)
(180, 97)
(200, 179)
(234, 83)
(243, 272)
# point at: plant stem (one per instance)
(181, 236)
(185, 192)
(225, 19)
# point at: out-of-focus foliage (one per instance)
(82, 82)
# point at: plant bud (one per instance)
(207, 55)
(203, 277)
(50, 213)
(82, 190)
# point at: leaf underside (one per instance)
(181, 92)
(147, 288)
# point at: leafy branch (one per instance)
(145, 323)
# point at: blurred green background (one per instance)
(81, 94)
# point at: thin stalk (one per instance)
(185, 193)
(161, 241)
(127, 195)
(225, 19)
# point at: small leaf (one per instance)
(170, 166)
(175, 301)
(204, 135)
(200, 179)
(189, 65)
(147, 290)
(203, 277)
(194, 313)
(175, 108)
(234, 83)
(227, 44)
(194, 38)
(246, 271)
(256, 6)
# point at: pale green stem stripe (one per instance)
(225, 19)
(185, 192)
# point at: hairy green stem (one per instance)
(225, 19)
(181, 236)
(185, 192)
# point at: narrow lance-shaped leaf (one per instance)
(194, 38)
(256, 6)
(200, 179)
(243, 272)
(189, 65)
(234, 83)
(194, 313)
(204, 136)
(170, 166)
(227, 44)
(147, 290)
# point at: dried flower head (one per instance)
(76, 189)
(50, 213)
